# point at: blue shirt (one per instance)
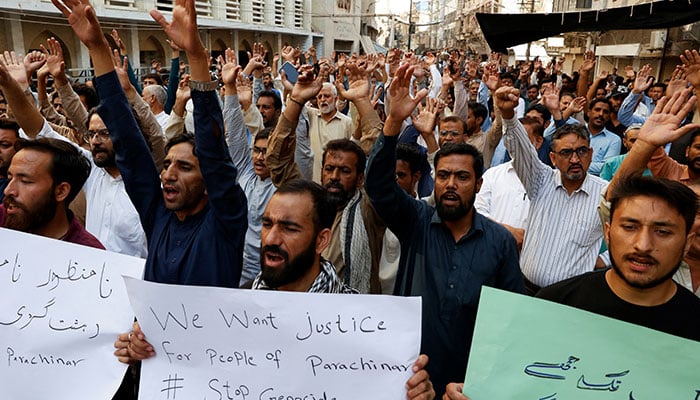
(606, 145)
(448, 275)
(206, 248)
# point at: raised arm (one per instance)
(358, 92)
(525, 161)
(226, 197)
(282, 143)
(661, 127)
(391, 202)
(15, 88)
(236, 140)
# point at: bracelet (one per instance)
(204, 86)
(296, 101)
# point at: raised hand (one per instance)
(550, 97)
(691, 67)
(491, 77)
(678, 81)
(290, 53)
(506, 99)
(15, 67)
(182, 30)
(230, 69)
(121, 66)
(119, 42)
(426, 118)
(244, 88)
(33, 61)
(576, 105)
(307, 86)
(358, 79)
(643, 81)
(83, 20)
(54, 58)
(629, 72)
(662, 126)
(402, 104)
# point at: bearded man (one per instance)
(448, 252)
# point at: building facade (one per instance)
(223, 23)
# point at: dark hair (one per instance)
(263, 134)
(677, 195)
(579, 130)
(410, 152)
(568, 94)
(184, 137)
(693, 134)
(462, 149)
(507, 76)
(348, 146)
(660, 85)
(91, 112)
(90, 95)
(10, 125)
(454, 118)
(596, 101)
(324, 210)
(534, 85)
(546, 114)
(67, 164)
(156, 77)
(539, 129)
(478, 110)
(276, 101)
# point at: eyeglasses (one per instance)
(450, 133)
(101, 134)
(259, 151)
(581, 152)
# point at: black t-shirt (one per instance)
(679, 316)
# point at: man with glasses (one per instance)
(563, 233)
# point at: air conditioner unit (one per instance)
(658, 39)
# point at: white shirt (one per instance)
(162, 119)
(502, 197)
(322, 132)
(109, 214)
(564, 232)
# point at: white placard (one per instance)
(62, 306)
(215, 343)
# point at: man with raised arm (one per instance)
(563, 233)
(195, 223)
(448, 251)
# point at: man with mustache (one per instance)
(193, 211)
(447, 251)
(357, 231)
(648, 234)
(563, 233)
(326, 124)
(605, 144)
(296, 228)
(44, 176)
(9, 133)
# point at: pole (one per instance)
(410, 23)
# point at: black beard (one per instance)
(106, 162)
(30, 220)
(338, 199)
(647, 285)
(291, 271)
(453, 213)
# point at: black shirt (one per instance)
(679, 316)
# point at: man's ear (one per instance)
(61, 191)
(606, 234)
(360, 180)
(323, 239)
(689, 242)
(478, 185)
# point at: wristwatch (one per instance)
(204, 86)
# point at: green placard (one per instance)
(528, 348)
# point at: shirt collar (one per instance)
(586, 187)
(477, 223)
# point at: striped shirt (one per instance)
(564, 233)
